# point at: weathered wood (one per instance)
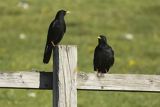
(23, 80)
(64, 76)
(119, 82)
(85, 81)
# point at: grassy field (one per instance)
(131, 26)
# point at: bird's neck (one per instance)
(103, 44)
(60, 16)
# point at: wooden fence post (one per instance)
(64, 76)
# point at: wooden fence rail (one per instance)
(85, 81)
(65, 80)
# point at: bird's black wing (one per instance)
(112, 57)
(100, 60)
(48, 47)
(96, 60)
(103, 58)
(109, 57)
(57, 31)
(47, 53)
(53, 31)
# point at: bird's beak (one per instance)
(68, 12)
(99, 37)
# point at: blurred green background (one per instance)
(132, 29)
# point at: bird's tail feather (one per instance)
(47, 53)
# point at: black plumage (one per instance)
(56, 31)
(103, 56)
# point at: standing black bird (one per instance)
(56, 31)
(103, 56)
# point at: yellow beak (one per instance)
(99, 37)
(68, 12)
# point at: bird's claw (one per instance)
(100, 74)
(53, 44)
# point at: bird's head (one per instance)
(102, 39)
(61, 13)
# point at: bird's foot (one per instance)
(99, 74)
(53, 44)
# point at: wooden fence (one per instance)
(65, 80)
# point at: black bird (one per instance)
(103, 56)
(56, 30)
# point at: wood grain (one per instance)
(26, 80)
(64, 76)
(119, 82)
(85, 81)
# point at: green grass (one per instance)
(89, 18)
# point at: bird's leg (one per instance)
(102, 74)
(98, 74)
(53, 44)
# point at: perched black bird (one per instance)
(103, 56)
(56, 31)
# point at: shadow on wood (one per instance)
(46, 79)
